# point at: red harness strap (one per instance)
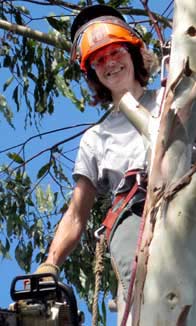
(120, 202)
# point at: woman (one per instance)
(114, 61)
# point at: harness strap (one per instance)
(120, 202)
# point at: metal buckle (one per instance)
(164, 63)
(99, 232)
(138, 179)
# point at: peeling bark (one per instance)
(171, 278)
(183, 316)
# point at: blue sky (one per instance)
(65, 114)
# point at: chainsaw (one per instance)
(41, 303)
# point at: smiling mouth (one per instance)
(114, 72)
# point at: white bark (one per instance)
(165, 293)
(184, 38)
(136, 113)
(170, 285)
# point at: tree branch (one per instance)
(154, 21)
(138, 116)
(46, 133)
(141, 12)
(53, 3)
(57, 41)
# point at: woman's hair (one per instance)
(142, 62)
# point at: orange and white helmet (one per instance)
(97, 26)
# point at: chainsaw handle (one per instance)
(36, 288)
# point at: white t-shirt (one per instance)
(112, 147)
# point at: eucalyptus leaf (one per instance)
(56, 24)
(16, 158)
(44, 169)
(5, 109)
(8, 82)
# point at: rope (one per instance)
(129, 300)
(99, 267)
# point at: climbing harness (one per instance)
(138, 183)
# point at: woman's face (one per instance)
(113, 66)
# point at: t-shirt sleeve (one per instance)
(86, 161)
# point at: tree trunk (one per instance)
(165, 284)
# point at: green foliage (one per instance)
(37, 73)
(45, 199)
(44, 169)
(66, 91)
(24, 219)
(61, 25)
(5, 109)
(15, 157)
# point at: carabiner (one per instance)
(99, 232)
(164, 63)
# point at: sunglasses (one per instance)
(115, 53)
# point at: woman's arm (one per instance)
(73, 222)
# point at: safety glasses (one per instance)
(112, 52)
